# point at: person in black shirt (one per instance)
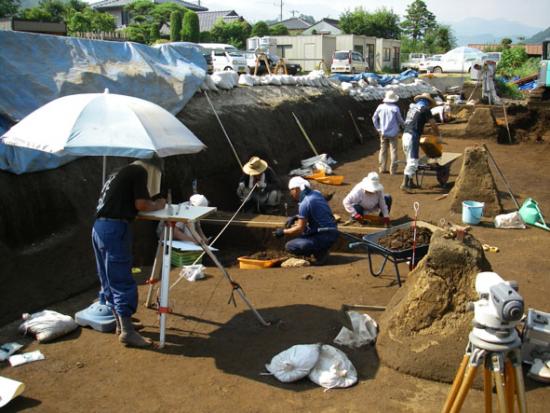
(268, 194)
(418, 115)
(125, 193)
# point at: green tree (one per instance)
(260, 29)
(506, 43)
(511, 60)
(175, 26)
(234, 33)
(190, 31)
(8, 7)
(383, 23)
(89, 20)
(279, 30)
(205, 37)
(418, 20)
(46, 11)
(439, 40)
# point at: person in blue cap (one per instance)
(125, 193)
(418, 115)
(314, 227)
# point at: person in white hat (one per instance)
(418, 115)
(314, 227)
(267, 196)
(368, 198)
(387, 120)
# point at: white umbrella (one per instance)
(103, 124)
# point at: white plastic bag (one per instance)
(333, 369)
(47, 325)
(9, 390)
(25, 358)
(7, 349)
(509, 221)
(295, 363)
(246, 80)
(364, 331)
(193, 272)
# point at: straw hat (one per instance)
(255, 166)
(372, 183)
(391, 97)
(426, 96)
(198, 200)
(298, 182)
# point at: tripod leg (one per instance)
(488, 389)
(510, 385)
(456, 384)
(498, 374)
(463, 391)
(520, 385)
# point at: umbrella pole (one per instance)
(104, 170)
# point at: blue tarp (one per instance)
(382, 80)
(36, 69)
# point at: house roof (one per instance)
(111, 4)
(294, 23)
(332, 22)
(207, 19)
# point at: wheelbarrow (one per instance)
(440, 167)
(371, 243)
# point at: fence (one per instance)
(119, 36)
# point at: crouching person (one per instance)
(368, 198)
(314, 227)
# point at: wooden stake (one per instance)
(305, 135)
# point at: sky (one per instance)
(531, 12)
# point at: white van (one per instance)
(226, 57)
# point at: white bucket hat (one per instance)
(391, 97)
(298, 182)
(198, 200)
(372, 183)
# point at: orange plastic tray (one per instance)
(331, 179)
(246, 263)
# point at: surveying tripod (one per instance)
(501, 363)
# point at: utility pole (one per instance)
(294, 12)
(281, 15)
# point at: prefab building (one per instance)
(388, 55)
(362, 44)
(308, 51)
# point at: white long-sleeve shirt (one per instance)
(387, 119)
(371, 202)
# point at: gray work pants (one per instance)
(382, 158)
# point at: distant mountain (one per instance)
(478, 30)
(539, 37)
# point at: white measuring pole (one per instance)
(165, 279)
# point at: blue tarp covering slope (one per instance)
(36, 69)
(382, 80)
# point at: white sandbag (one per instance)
(509, 221)
(246, 80)
(47, 325)
(333, 369)
(288, 80)
(275, 80)
(346, 86)
(295, 363)
(364, 331)
(228, 79)
(193, 272)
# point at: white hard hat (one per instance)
(198, 200)
(298, 182)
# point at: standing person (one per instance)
(418, 115)
(387, 120)
(267, 195)
(367, 197)
(314, 227)
(125, 193)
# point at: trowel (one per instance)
(343, 315)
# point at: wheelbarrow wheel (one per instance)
(443, 173)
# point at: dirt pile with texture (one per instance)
(268, 255)
(475, 182)
(403, 239)
(482, 124)
(426, 324)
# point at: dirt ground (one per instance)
(216, 352)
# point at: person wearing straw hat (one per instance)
(418, 115)
(125, 193)
(314, 227)
(267, 196)
(368, 198)
(387, 120)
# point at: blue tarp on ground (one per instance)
(382, 80)
(36, 69)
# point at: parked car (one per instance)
(225, 57)
(459, 60)
(348, 61)
(430, 62)
(291, 68)
(414, 61)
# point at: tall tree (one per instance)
(383, 23)
(8, 7)
(418, 20)
(279, 30)
(234, 33)
(190, 31)
(175, 26)
(260, 29)
(439, 39)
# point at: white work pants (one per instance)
(412, 163)
(383, 156)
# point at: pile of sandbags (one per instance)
(367, 90)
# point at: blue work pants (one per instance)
(317, 244)
(112, 242)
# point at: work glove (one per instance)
(291, 221)
(262, 185)
(386, 222)
(279, 233)
(357, 216)
(241, 185)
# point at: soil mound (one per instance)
(482, 124)
(425, 327)
(475, 182)
(403, 239)
(268, 255)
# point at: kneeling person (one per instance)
(367, 197)
(314, 227)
